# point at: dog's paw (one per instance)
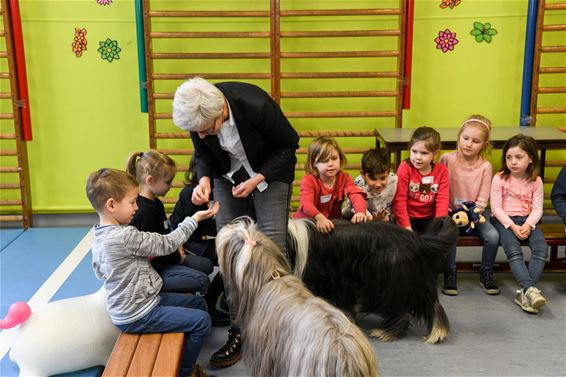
(437, 335)
(382, 335)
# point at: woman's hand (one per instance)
(244, 189)
(201, 192)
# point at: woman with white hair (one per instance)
(244, 148)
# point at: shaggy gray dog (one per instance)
(287, 331)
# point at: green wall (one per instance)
(86, 113)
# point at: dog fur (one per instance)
(287, 331)
(377, 267)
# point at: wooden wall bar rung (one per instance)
(555, 27)
(340, 114)
(9, 186)
(206, 13)
(210, 34)
(176, 152)
(555, 6)
(338, 94)
(340, 54)
(346, 150)
(340, 12)
(552, 70)
(210, 55)
(11, 218)
(10, 169)
(4, 75)
(3, 54)
(553, 49)
(5, 95)
(172, 135)
(210, 76)
(340, 33)
(8, 152)
(10, 202)
(337, 133)
(6, 116)
(7, 136)
(552, 89)
(332, 75)
(551, 110)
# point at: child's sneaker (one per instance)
(488, 284)
(450, 287)
(535, 298)
(522, 300)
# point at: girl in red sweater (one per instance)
(325, 186)
(423, 185)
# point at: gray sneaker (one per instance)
(522, 300)
(535, 298)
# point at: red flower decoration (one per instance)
(449, 3)
(446, 40)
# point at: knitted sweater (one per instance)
(120, 260)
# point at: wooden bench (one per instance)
(554, 235)
(143, 355)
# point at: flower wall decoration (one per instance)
(104, 2)
(109, 50)
(446, 40)
(483, 32)
(79, 42)
(450, 3)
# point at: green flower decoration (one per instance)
(109, 50)
(483, 32)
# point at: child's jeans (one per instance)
(512, 246)
(177, 312)
(490, 237)
(182, 279)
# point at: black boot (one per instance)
(229, 353)
(487, 282)
(450, 287)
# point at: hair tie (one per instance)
(250, 242)
(479, 121)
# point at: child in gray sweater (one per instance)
(120, 260)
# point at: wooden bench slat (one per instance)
(121, 356)
(169, 358)
(145, 355)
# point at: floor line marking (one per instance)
(51, 285)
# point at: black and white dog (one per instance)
(377, 267)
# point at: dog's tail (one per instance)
(437, 241)
(298, 244)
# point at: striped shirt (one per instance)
(120, 260)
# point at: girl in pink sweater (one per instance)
(470, 180)
(325, 186)
(517, 196)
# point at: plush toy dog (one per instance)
(467, 217)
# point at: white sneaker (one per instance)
(535, 298)
(522, 300)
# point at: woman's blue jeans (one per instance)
(177, 312)
(490, 237)
(526, 277)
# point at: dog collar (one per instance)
(275, 275)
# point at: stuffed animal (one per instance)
(467, 217)
(61, 336)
